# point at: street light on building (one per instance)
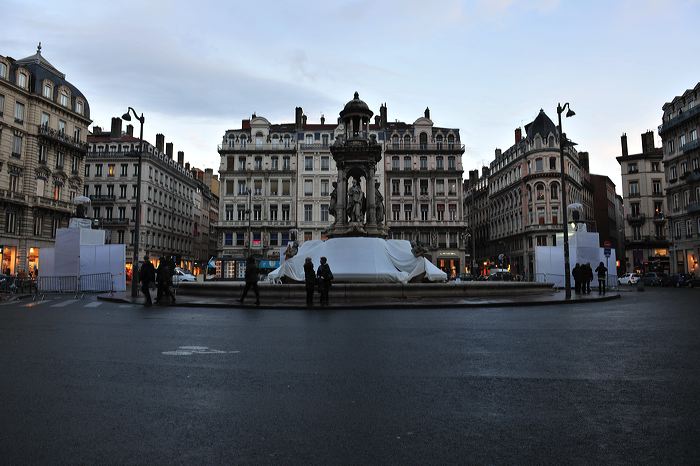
(565, 224)
(137, 222)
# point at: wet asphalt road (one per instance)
(614, 382)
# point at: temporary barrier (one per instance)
(96, 283)
(77, 285)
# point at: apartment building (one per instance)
(643, 184)
(478, 223)
(43, 128)
(681, 160)
(168, 191)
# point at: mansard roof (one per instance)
(541, 125)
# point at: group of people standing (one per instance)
(583, 276)
(162, 277)
(321, 278)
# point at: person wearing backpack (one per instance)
(147, 275)
(324, 277)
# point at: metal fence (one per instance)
(9, 284)
(76, 285)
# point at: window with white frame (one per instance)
(16, 145)
(79, 107)
(308, 163)
(324, 187)
(324, 212)
(273, 212)
(47, 91)
(22, 80)
(308, 211)
(325, 163)
(63, 99)
(19, 112)
(407, 211)
(308, 188)
(3, 70)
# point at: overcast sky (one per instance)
(483, 66)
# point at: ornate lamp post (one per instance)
(562, 142)
(137, 222)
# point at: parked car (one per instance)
(680, 280)
(182, 275)
(656, 279)
(628, 279)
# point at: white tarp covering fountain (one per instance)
(364, 260)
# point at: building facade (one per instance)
(168, 191)
(605, 214)
(476, 215)
(681, 159)
(525, 195)
(277, 180)
(43, 129)
(646, 241)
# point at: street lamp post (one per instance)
(137, 222)
(565, 218)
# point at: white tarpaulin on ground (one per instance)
(368, 260)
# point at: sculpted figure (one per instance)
(355, 202)
(379, 199)
(334, 201)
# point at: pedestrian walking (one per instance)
(588, 277)
(325, 277)
(576, 273)
(164, 277)
(601, 270)
(147, 275)
(251, 280)
(310, 281)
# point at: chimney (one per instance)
(130, 130)
(96, 130)
(160, 142)
(169, 149)
(303, 120)
(323, 119)
(648, 142)
(498, 153)
(298, 113)
(485, 172)
(116, 128)
(245, 124)
(187, 166)
(180, 158)
(473, 176)
(518, 134)
(583, 160)
(383, 114)
(377, 120)
(427, 113)
(623, 140)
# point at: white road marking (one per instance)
(94, 304)
(65, 303)
(190, 350)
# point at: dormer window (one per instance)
(22, 80)
(79, 107)
(48, 91)
(3, 70)
(64, 99)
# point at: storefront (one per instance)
(449, 264)
(33, 261)
(9, 260)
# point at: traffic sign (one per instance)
(606, 251)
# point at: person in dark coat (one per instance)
(251, 280)
(601, 270)
(147, 274)
(588, 277)
(310, 281)
(325, 277)
(164, 277)
(576, 273)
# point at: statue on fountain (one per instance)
(379, 201)
(334, 202)
(356, 203)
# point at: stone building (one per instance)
(646, 241)
(43, 128)
(525, 195)
(168, 191)
(476, 215)
(605, 214)
(206, 216)
(283, 175)
(681, 159)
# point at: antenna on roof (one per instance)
(38, 48)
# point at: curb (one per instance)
(344, 306)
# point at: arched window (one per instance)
(554, 191)
(244, 141)
(551, 141)
(539, 189)
(450, 142)
(423, 141)
(407, 141)
(258, 139)
(438, 142)
(48, 91)
(395, 141)
(64, 99)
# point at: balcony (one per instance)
(314, 146)
(633, 195)
(454, 148)
(12, 196)
(48, 202)
(682, 117)
(692, 145)
(233, 147)
(62, 138)
(659, 218)
(114, 222)
(693, 207)
(636, 219)
(102, 198)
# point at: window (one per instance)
(676, 199)
(285, 212)
(632, 167)
(273, 187)
(396, 212)
(688, 228)
(554, 191)
(395, 163)
(407, 165)
(540, 215)
(10, 222)
(441, 212)
(555, 217)
(541, 240)
(241, 163)
(423, 163)
(656, 186)
(453, 212)
(286, 164)
(423, 140)
(14, 183)
(308, 188)
(242, 188)
(308, 213)
(273, 212)
(228, 238)
(451, 163)
(681, 143)
(241, 212)
(539, 165)
(228, 209)
(424, 212)
(79, 107)
(552, 163)
(407, 188)
(696, 164)
(2, 102)
(19, 112)
(634, 208)
(74, 165)
(677, 232)
(22, 80)
(257, 187)
(673, 174)
(110, 169)
(539, 190)
(258, 163)
(3, 70)
(424, 187)
(684, 167)
(286, 187)
(63, 99)
(38, 225)
(98, 169)
(452, 187)
(440, 187)
(325, 163)
(395, 187)
(122, 212)
(308, 164)
(324, 188)
(324, 140)
(324, 212)
(407, 210)
(671, 147)
(655, 166)
(275, 163)
(634, 188)
(47, 91)
(257, 212)
(16, 145)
